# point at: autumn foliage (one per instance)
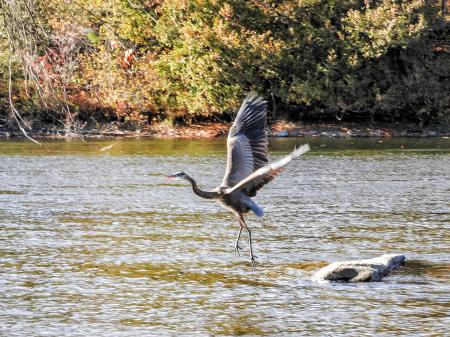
(180, 60)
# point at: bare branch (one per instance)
(17, 117)
(48, 59)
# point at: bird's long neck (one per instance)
(201, 193)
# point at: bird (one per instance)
(247, 168)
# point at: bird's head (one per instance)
(178, 175)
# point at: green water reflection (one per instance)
(205, 147)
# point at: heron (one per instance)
(247, 168)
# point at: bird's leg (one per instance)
(252, 257)
(237, 247)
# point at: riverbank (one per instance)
(220, 129)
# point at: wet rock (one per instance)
(370, 270)
(430, 133)
(283, 133)
(310, 133)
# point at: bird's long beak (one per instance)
(171, 176)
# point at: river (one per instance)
(95, 241)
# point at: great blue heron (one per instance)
(247, 165)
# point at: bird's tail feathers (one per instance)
(256, 209)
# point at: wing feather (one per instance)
(247, 141)
(240, 160)
(252, 183)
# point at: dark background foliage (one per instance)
(185, 60)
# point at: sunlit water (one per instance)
(100, 243)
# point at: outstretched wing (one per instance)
(247, 141)
(251, 184)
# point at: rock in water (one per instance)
(360, 270)
(283, 133)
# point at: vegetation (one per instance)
(137, 61)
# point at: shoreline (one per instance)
(220, 129)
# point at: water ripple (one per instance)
(101, 244)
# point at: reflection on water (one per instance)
(96, 242)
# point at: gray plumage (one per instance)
(247, 141)
(247, 168)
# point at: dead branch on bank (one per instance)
(47, 60)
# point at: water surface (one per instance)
(96, 242)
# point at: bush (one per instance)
(379, 60)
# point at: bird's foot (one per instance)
(236, 250)
(253, 261)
